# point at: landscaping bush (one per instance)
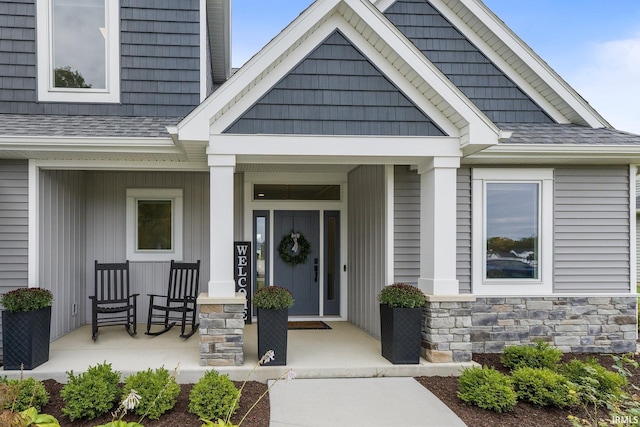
(543, 387)
(541, 355)
(487, 388)
(91, 393)
(157, 390)
(26, 393)
(213, 396)
(593, 379)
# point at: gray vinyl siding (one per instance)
(335, 90)
(106, 228)
(62, 245)
(366, 240)
(463, 230)
(159, 60)
(14, 228)
(406, 223)
(469, 69)
(591, 238)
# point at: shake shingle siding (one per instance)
(591, 238)
(335, 90)
(468, 68)
(159, 60)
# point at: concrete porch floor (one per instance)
(344, 351)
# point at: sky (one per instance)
(594, 45)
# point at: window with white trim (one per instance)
(512, 231)
(78, 50)
(154, 224)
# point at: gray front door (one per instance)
(302, 279)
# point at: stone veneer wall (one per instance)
(221, 334)
(572, 324)
(446, 331)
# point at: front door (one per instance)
(302, 279)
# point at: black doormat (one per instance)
(309, 324)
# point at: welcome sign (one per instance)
(242, 273)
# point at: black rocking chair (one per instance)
(112, 303)
(180, 301)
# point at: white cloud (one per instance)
(609, 79)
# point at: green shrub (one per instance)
(401, 295)
(273, 298)
(28, 393)
(91, 393)
(593, 379)
(543, 387)
(212, 396)
(487, 388)
(26, 299)
(157, 390)
(541, 355)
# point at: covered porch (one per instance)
(340, 352)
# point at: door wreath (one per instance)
(294, 248)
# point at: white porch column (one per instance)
(438, 226)
(221, 283)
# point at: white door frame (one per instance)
(251, 205)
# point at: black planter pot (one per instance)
(272, 334)
(401, 334)
(25, 338)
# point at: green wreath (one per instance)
(288, 255)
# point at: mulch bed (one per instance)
(179, 416)
(524, 415)
(445, 388)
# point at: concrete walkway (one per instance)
(357, 402)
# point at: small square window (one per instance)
(154, 224)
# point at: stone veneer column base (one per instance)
(221, 330)
(446, 331)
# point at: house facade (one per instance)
(397, 141)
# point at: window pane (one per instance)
(512, 230)
(79, 43)
(261, 251)
(154, 225)
(295, 192)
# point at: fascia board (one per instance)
(527, 55)
(120, 165)
(547, 154)
(81, 144)
(334, 147)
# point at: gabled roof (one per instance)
(514, 57)
(565, 134)
(370, 32)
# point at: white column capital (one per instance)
(221, 159)
(438, 163)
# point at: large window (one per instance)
(154, 224)
(78, 51)
(512, 234)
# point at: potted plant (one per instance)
(401, 323)
(273, 304)
(26, 327)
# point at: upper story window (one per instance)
(512, 231)
(78, 51)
